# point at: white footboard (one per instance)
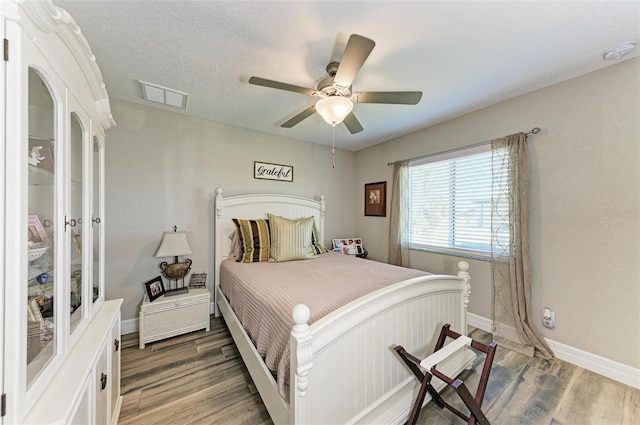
(343, 368)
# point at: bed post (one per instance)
(219, 202)
(321, 224)
(301, 363)
(217, 256)
(463, 273)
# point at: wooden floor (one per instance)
(199, 378)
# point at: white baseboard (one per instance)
(480, 322)
(130, 326)
(606, 367)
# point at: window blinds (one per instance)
(450, 200)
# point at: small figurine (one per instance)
(35, 156)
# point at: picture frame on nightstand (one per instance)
(198, 280)
(155, 288)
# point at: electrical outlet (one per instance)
(548, 318)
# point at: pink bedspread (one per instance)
(264, 294)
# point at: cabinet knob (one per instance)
(73, 222)
(103, 382)
(116, 343)
(95, 220)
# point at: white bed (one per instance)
(343, 368)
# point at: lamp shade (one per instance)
(334, 109)
(174, 244)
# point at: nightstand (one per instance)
(170, 316)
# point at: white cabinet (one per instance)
(81, 412)
(173, 315)
(114, 372)
(83, 384)
(54, 113)
(101, 387)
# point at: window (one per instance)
(450, 201)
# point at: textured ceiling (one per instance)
(462, 55)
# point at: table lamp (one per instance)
(175, 244)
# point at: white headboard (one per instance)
(257, 206)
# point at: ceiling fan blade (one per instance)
(301, 116)
(396, 97)
(352, 123)
(357, 51)
(278, 85)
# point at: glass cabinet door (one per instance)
(42, 256)
(97, 160)
(74, 230)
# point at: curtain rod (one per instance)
(534, 130)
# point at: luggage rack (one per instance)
(429, 364)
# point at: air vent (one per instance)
(164, 95)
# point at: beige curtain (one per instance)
(398, 252)
(513, 325)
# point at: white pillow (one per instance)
(290, 239)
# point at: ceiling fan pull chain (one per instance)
(333, 146)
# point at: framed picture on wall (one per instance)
(375, 199)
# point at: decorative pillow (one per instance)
(315, 241)
(234, 244)
(290, 239)
(254, 240)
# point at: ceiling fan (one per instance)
(335, 95)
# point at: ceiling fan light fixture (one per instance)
(334, 109)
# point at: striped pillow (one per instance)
(254, 240)
(315, 241)
(290, 239)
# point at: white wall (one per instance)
(585, 224)
(162, 170)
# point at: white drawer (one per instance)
(175, 315)
(170, 304)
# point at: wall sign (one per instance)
(265, 170)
